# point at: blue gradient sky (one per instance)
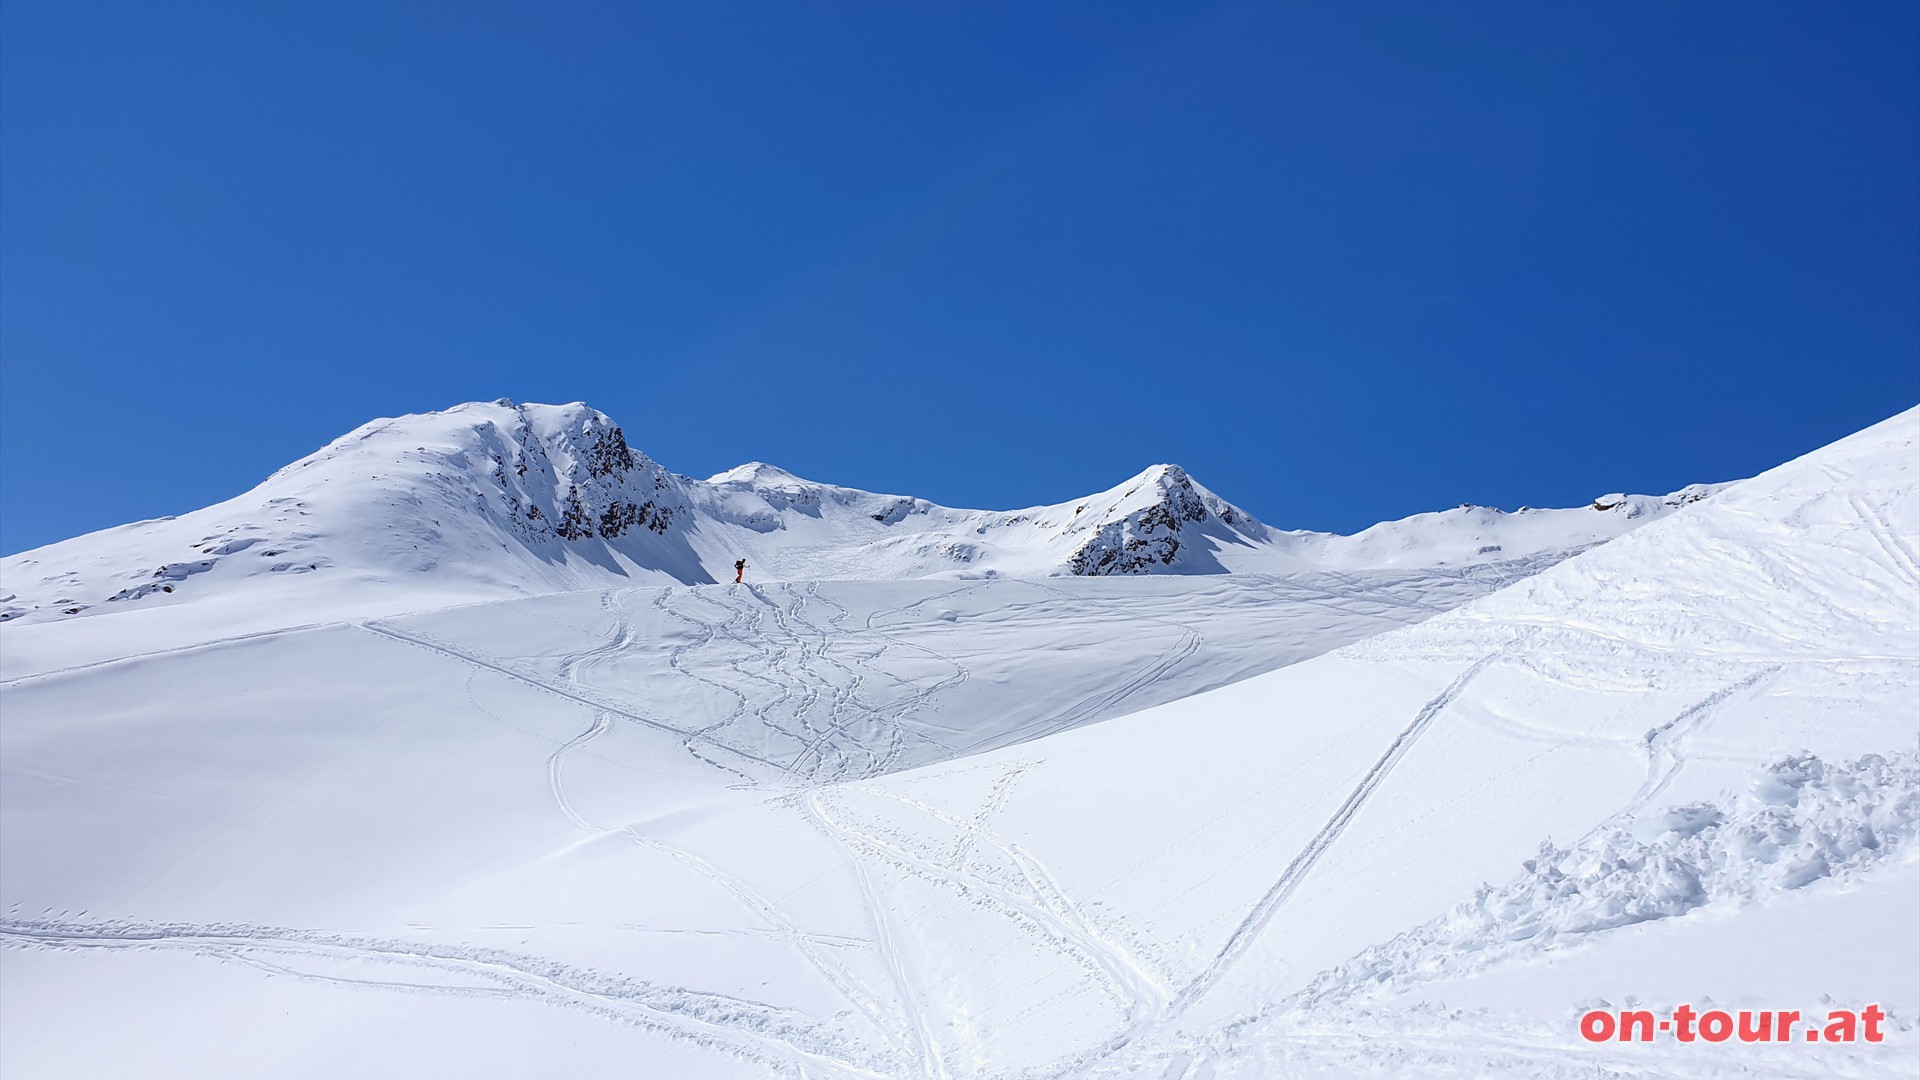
(1345, 262)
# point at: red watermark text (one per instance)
(1686, 1024)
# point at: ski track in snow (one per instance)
(790, 660)
(731, 1025)
(1045, 926)
(132, 658)
(1664, 743)
(1107, 702)
(1037, 900)
(797, 677)
(1256, 920)
(804, 663)
(829, 967)
(1039, 895)
(498, 667)
(1903, 560)
(925, 1047)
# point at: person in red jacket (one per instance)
(739, 570)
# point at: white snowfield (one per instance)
(1388, 807)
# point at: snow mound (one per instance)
(1803, 820)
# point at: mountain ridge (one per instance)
(504, 498)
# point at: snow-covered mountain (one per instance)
(1327, 822)
(496, 499)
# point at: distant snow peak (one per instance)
(1138, 541)
(760, 474)
(505, 498)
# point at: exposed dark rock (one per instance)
(574, 523)
(606, 453)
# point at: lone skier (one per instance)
(739, 570)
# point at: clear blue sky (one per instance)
(1343, 261)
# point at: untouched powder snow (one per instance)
(1396, 819)
(488, 500)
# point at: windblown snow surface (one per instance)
(1394, 806)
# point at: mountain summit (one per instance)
(499, 498)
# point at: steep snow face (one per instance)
(495, 499)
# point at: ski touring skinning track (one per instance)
(830, 967)
(574, 696)
(1263, 911)
(792, 660)
(1031, 892)
(777, 657)
(809, 702)
(1033, 898)
(729, 1024)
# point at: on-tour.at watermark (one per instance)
(1687, 1024)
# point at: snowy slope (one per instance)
(1305, 817)
(500, 783)
(722, 831)
(487, 500)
